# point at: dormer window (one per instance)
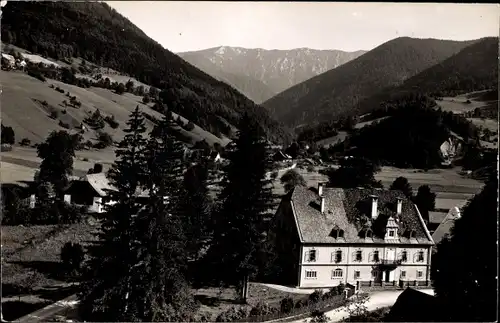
(413, 234)
(337, 233)
(391, 233)
(369, 233)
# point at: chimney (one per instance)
(67, 198)
(374, 206)
(322, 205)
(320, 189)
(400, 206)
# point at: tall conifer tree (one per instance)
(108, 280)
(246, 202)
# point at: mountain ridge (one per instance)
(338, 91)
(272, 68)
(99, 34)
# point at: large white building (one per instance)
(363, 237)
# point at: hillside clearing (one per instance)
(20, 109)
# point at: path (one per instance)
(48, 312)
(287, 289)
(375, 301)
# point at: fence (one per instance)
(305, 311)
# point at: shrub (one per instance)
(72, 256)
(302, 303)
(318, 317)
(63, 124)
(262, 308)
(58, 89)
(111, 121)
(231, 314)
(6, 147)
(8, 135)
(286, 305)
(316, 296)
(25, 142)
(53, 114)
(36, 75)
(104, 140)
(146, 99)
(189, 126)
(310, 168)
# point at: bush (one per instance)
(318, 317)
(316, 296)
(104, 140)
(8, 135)
(311, 169)
(262, 308)
(58, 89)
(53, 114)
(72, 256)
(146, 99)
(286, 305)
(63, 124)
(36, 75)
(232, 314)
(302, 303)
(25, 142)
(6, 147)
(111, 121)
(189, 126)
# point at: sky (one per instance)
(186, 26)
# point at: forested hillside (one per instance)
(99, 34)
(338, 91)
(474, 68)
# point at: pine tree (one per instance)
(197, 208)
(108, 287)
(161, 228)
(246, 201)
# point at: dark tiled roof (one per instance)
(350, 211)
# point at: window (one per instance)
(403, 274)
(359, 255)
(369, 233)
(413, 234)
(420, 257)
(311, 274)
(391, 233)
(311, 256)
(404, 256)
(357, 274)
(419, 274)
(341, 233)
(375, 274)
(337, 256)
(376, 256)
(337, 273)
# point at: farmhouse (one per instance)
(366, 237)
(90, 190)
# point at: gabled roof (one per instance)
(449, 221)
(349, 209)
(100, 183)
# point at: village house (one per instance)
(364, 237)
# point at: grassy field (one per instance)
(33, 254)
(21, 109)
(490, 124)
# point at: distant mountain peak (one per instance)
(252, 70)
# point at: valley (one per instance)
(142, 182)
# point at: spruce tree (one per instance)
(246, 201)
(108, 286)
(161, 228)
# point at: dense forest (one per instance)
(411, 137)
(97, 33)
(338, 91)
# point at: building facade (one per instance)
(329, 236)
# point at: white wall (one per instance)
(325, 264)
